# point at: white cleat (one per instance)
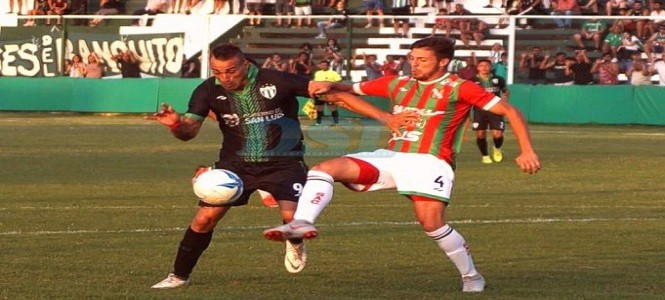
(296, 257)
(296, 229)
(171, 281)
(473, 284)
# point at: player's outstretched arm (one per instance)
(528, 160)
(360, 106)
(182, 128)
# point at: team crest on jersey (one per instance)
(495, 80)
(268, 91)
(221, 97)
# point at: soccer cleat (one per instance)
(269, 201)
(171, 281)
(295, 258)
(473, 284)
(296, 229)
(486, 160)
(497, 155)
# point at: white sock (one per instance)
(453, 244)
(316, 194)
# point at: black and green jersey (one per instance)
(259, 124)
(493, 84)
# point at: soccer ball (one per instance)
(218, 187)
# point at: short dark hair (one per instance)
(484, 60)
(226, 52)
(443, 47)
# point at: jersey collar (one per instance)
(435, 80)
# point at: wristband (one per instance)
(175, 126)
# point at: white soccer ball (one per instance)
(218, 187)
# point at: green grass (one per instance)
(94, 206)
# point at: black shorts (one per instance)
(283, 179)
(483, 120)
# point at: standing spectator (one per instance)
(639, 72)
(373, 6)
(334, 22)
(326, 74)
(390, 66)
(152, 8)
(370, 65)
(275, 62)
(77, 68)
(594, 30)
(19, 7)
(531, 62)
(501, 67)
(94, 68)
(303, 8)
(335, 60)
(607, 69)
(106, 8)
(283, 10)
(495, 53)
(580, 69)
(41, 8)
(57, 8)
(558, 67)
(565, 8)
(128, 64)
(254, 9)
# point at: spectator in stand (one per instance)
(501, 67)
(531, 62)
(639, 72)
(658, 66)
(630, 45)
(254, 9)
(94, 68)
(106, 8)
(390, 66)
(526, 7)
(594, 30)
(326, 74)
(77, 67)
(656, 43)
(440, 23)
(658, 17)
(401, 25)
(283, 8)
(218, 6)
(489, 4)
(462, 24)
(78, 7)
(371, 66)
(334, 22)
(152, 8)
(470, 69)
(331, 44)
(495, 53)
(589, 7)
(558, 67)
(373, 6)
(406, 65)
(302, 65)
(478, 30)
(307, 48)
(57, 8)
(275, 62)
(18, 4)
(564, 8)
(335, 60)
(41, 7)
(613, 40)
(607, 69)
(303, 8)
(638, 9)
(191, 68)
(580, 69)
(613, 6)
(128, 64)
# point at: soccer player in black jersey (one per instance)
(483, 120)
(257, 112)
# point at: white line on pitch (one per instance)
(347, 224)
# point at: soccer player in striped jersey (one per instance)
(418, 163)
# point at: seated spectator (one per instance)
(57, 8)
(612, 6)
(275, 62)
(495, 53)
(335, 59)
(558, 67)
(106, 8)
(18, 4)
(580, 68)
(658, 65)
(589, 6)
(128, 64)
(638, 9)
(531, 62)
(594, 30)
(440, 23)
(218, 6)
(613, 40)
(76, 69)
(564, 8)
(303, 8)
(477, 30)
(373, 6)
(658, 18)
(607, 69)
(152, 8)
(656, 43)
(332, 44)
(639, 73)
(401, 25)
(283, 8)
(526, 7)
(94, 68)
(630, 45)
(335, 22)
(78, 7)
(462, 24)
(371, 66)
(302, 65)
(41, 8)
(489, 4)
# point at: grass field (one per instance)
(92, 207)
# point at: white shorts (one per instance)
(302, 10)
(409, 173)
